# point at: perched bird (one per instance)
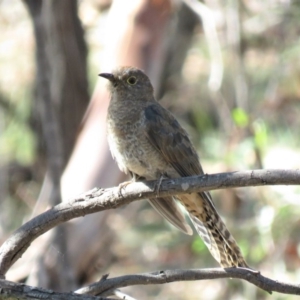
(148, 142)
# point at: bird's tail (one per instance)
(212, 230)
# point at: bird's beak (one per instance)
(108, 76)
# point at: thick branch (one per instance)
(167, 276)
(98, 200)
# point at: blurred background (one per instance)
(229, 70)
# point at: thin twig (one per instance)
(162, 277)
(14, 290)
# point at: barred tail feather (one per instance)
(213, 231)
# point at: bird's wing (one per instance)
(170, 139)
(168, 208)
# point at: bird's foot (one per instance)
(123, 185)
(157, 185)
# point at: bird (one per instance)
(148, 142)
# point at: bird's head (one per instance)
(129, 82)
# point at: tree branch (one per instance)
(99, 199)
(106, 286)
(161, 277)
(12, 290)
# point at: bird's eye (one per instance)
(132, 80)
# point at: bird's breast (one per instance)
(132, 151)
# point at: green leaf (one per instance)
(198, 246)
(260, 133)
(240, 117)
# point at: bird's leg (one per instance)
(157, 186)
(136, 177)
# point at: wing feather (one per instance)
(174, 145)
(168, 208)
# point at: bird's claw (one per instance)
(122, 186)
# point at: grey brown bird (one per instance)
(147, 141)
